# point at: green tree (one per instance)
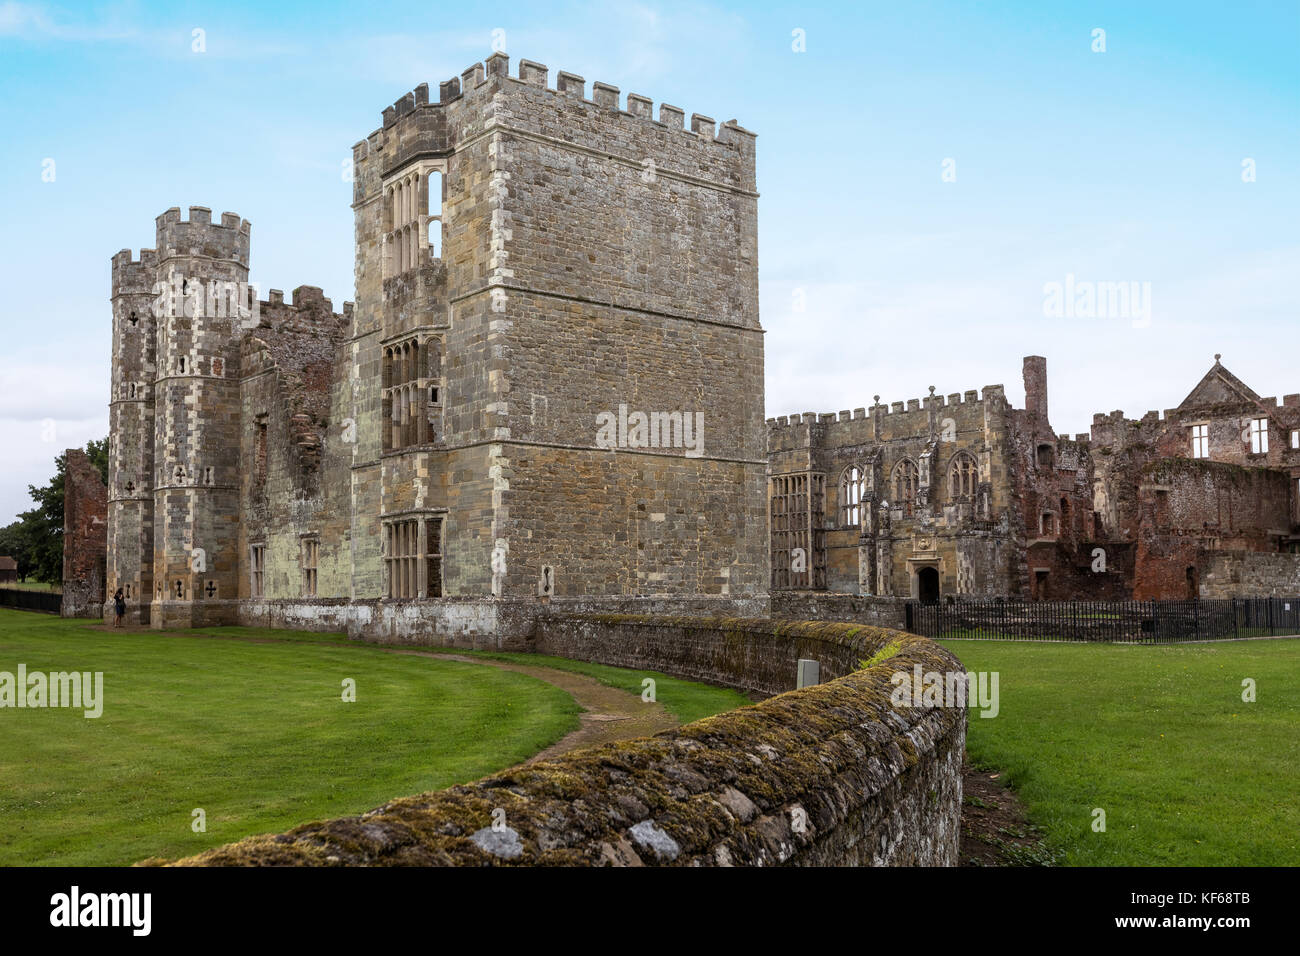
(14, 543)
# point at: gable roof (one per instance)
(1218, 387)
(8, 564)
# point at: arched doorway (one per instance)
(927, 585)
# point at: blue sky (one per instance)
(1123, 165)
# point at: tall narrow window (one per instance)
(310, 555)
(433, 556)
(257, 569)
(905, 484)
(259, 451)
(403, 557)
(1259, 436)
(851, 497)
(798, 537)
(961, 476)
(1295, 438)
(1200, 441)
(433, 229)
(411, 407)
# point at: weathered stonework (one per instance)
(85, 526)
(430, 463)
(970, 497)
(838, 774)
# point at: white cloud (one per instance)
(35, 391)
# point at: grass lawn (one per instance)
(685, 700)
(1156, 736)
(254, 734)
(33, 586)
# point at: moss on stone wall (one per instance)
(829, 774)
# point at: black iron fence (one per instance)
(31, 600)
(1143, 622)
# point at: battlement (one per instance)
(304, 297)
(199, 236)
(911, 405)
(571, 85)
(132, 276)
(795, 429)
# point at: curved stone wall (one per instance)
(834, 774)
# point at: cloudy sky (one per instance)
(928, 170)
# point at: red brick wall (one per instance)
(85, 537)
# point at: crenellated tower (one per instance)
(131, 434)
(202, 280)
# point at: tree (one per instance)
(14, 543)
(41, 529)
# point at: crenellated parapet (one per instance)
(887, 421)
(199, 237)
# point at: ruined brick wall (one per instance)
(1186, 508)
(294, 484)
(832, 775)
(1176, 510)
(1064, 552)
(1054, 517)
(85, 537)
(1233, 574)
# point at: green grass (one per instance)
(33, 586)
(1156, 736)
(685, 700)
(254, 734)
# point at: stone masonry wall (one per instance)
(1250, 574)
(791, 605)
(832, 775)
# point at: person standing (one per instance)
(119, 608)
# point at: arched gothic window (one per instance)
(905, 483)
(962, 476)
(851, 496)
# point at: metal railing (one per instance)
(1142, 622)
(31, 600)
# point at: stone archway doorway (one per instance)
(927, 585)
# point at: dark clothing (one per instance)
(119, 606)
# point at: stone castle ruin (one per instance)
(966, 496)
(531, 265)
(548, 395)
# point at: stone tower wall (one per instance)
(131, 435)
(196, 418)
(591, 258)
